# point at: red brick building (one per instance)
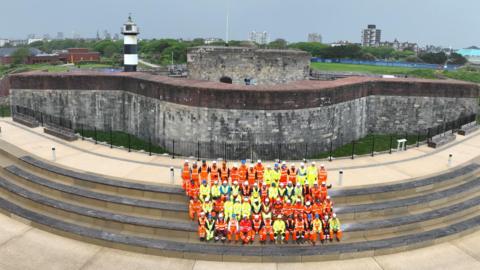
(35, 56)
(75, 55)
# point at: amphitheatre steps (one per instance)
(153, 219)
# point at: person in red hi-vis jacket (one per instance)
(246, 230)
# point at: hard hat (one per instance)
(244, 216)
(255, 184)
(292, 165)
(186, 160)
(204, 181)
(216, 182)
(289, 183)
(234, 215)
(235, 182)
(204, 161)
(317, 216)
(298, 200)
(202, 214)
(207, 199)
(313, 162)
(308, 203)
(328, 197)
(245, 183)
(214, 162)
(323, 183)
(243, 161)
(278, 199)
(235, 165)
(279, 216)
(284, 163)
(194, 163)
(269, 166)
(281, 184)
(302, 164)
(245, 199)
(315, 184)
(220, 215)
(238, 199)
(259, 161)
(225, 182)
(334, 215)
(298, 184)
(306, 184)
(288, 201)
(251, 166)
(322, 165)
(267, 199)
(276, 165)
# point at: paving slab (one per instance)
(38, 249)
(111, 259)
(353, 264)
(469, 244)
(442, 256)
(10, 229)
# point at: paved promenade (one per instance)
(25, 248)
(98, 158)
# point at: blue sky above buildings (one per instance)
(439, 22)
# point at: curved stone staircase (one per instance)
(153, 219)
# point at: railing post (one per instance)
(353, 149)
(95, 134)
(279, 152)
(373, 145)
(129, 145)
(173, 149)
(150, 146)
(406, 143)
(198, 150)
(82, 133)
(418, 139)
(391, 141)
(306, 150)
(331, 150)
(111, 138)
(225, 151)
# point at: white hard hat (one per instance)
(235, 182)
(328, 197)
(283, 162)
(322, 165)
(214, 162)
(293, 164)
(186, 160)
(220, 215)
(259, 161)
(334, 215)
(313, 162)
(235, 165)
(308, 203)
(251, 166)
(245, 183)
(302, 164)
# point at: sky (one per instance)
(447, 23)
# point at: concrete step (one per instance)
(106, 201)
(186, 231)
(102, 183)
(240, 253)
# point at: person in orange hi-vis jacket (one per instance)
(202, 231)
(260, 170)
(194, 208)
(186, 174)
(214, 173)
(266, 232)
(251, 175)
(233, 229)
(322, 174)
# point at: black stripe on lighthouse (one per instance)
(130, 49)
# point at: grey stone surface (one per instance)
(470, 186)
(266, 67)
(99, 179)
(177, 207)
(109, 216)
(436, 179)
(135, 241)
(312, 129)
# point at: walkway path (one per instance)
(26, 248)
(87, 156)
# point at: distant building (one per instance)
(371, 37)
(18, 42)
(261, 38)
(212, 40)
(75, 55)
(400, 46)
(35, 57)
(315, 37)
(343, 43)
(4, 42)
(60, 36)
(32, 40)
(472, 54)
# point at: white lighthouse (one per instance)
(130, 51)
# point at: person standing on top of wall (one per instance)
(312, 174)
(259, 169)
(214, 173)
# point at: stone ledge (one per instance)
(62, 133)
(213, 252)
(111, 199)
(468, 187)
(438, 140)
(94, 213)
(25, 120)
(99, 179)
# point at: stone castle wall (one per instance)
(265, 67)
(337, 112)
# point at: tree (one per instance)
(434, 58)
(314, 48)
(278, 43)
(457, 59)
(20, 56)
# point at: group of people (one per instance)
(246, 202)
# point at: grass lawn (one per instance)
(360, 68)
(5, 111)
(364, 146)
(121, 139)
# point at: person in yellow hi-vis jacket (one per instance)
(237, 208)
(302, 174)
(279, 229)
(312, 174)
(335, 227)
